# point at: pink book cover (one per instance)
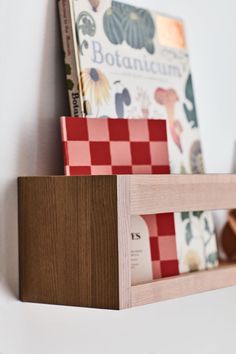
(107, 146)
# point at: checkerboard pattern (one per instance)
(125, 146)
(163, 244)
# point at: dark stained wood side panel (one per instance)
(68, 241)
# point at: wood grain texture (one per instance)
(124, 227)
(174, 193)
(185, 284)
(68, 241)
(74, 236)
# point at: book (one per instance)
(125, 61)
(107, 146)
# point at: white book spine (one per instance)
(71, 58)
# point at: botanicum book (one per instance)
(124, 61)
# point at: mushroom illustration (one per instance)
(168, 98)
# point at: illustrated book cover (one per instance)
(128, 62)
(127, 146)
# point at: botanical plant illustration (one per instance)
(113, 25)
(122, 98)
(143, 100)
(128, 23)
(86, 24)
(68, 69)
(192, 258)
(96, 86)
(196, 159)
(191, 113)
(69, 82)
(94, 4)
(168, 98)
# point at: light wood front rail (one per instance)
(152, 194)
(186, 284)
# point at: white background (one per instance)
(32, 97)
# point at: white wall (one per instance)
(32, 96)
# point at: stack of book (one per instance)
(131, 95)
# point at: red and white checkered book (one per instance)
(126, 146)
